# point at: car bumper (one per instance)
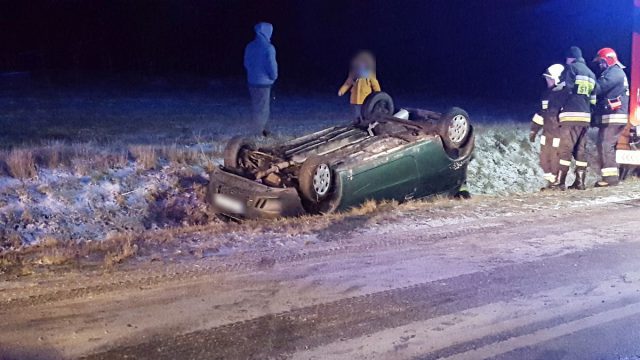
(241, 198)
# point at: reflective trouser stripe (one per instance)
(575, 116)
(565, 162)
(545, 104)
(581, 163)
(615, 119)
(555, 142)
(550, 177)
(612, 171)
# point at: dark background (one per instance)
(471, 48)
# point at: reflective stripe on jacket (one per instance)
(550, 104)
(613, 87)
(580, 84)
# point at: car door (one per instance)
(391, 174)
(438, 173)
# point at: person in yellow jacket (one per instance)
(361, 80)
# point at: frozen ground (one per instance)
(509, 274)
(163, 144)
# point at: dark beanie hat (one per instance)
(574, 52)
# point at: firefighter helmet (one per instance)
(609, 56)
(553, 72)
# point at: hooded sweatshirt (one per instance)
(260, 57)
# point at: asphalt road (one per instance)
(539, 284)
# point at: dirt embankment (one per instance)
(149, 192)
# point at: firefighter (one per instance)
(611, 113)
(575, 118)
(547, 119)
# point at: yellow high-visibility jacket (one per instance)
(360, 88)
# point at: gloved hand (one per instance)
(532, 136)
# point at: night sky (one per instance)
(473, 48)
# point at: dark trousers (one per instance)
(607, 140)
(573, 144)
(549, 152)
(357, 111)
(260, 107)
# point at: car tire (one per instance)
(315, 179)
(455, 128)
(377, 103)
(233, 149)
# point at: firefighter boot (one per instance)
(603, 183)
(560, 180)
(578, 184)
(547, 186)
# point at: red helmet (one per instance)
(609, 56)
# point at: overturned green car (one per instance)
(413, 153)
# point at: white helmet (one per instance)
(553, 72)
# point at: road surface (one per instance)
(540, 280)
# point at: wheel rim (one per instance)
(458, 128)
(322, 179)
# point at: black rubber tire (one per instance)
(377, 103)
(232, 151)
(306, 176)
(444, 124)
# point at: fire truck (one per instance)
(628, 149)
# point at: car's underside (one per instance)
(279, 166)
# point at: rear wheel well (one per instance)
(233, 149)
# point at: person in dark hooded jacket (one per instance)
(262, 71)
(575, 118)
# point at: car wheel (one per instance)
(315, 179)
(455, 128)
(233, 149)
(377, 103)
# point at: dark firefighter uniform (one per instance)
(547, 119)
(575, 119)
(611, 117)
